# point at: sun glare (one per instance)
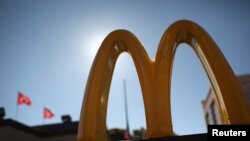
(95, 44)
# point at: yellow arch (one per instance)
(155, 80)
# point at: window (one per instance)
(213, 109)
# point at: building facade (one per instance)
(210, 104)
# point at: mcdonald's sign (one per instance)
(155, 80)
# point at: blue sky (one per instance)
(47, 48)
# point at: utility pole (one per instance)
(126, 108)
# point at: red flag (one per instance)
(23, 99)
(47, 113)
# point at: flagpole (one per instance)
(43, 116)
(17, 107)
(126, 105)
(17, 112)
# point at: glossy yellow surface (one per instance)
(155, 80)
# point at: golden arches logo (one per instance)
(155, 80)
